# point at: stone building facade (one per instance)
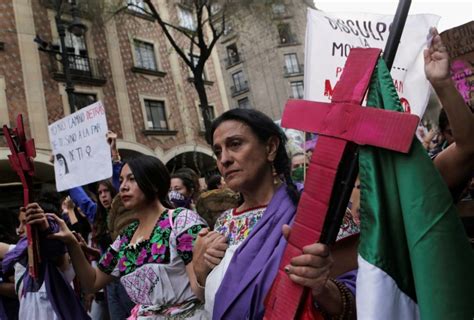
(262, 56)
(126, 62)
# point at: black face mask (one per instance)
(178, 200)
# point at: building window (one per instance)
(77, 52)
(291, 64)
(244, 103)
(137, 5)
(240, 84)
(215, 8)
(212, 116)
(186, 19)
(228, 28)
(233, 56)
(156, 115)
(145, 55)
(297, 90)
(284, 32)
(195, 60)
(83, 100)
(278, 9)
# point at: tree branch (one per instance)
(167, 33)
(182, 31)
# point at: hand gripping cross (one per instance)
(342, 125)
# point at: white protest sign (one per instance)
(330, 36)
(80, 149)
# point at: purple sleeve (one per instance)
(349, 280)
(49, 247)
(82, 200)
(116, 168)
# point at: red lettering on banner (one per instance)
(328, 89)
(92, 113)
(405, 105)
(398, 85)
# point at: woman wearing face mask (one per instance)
(153, 256)
(184, 189)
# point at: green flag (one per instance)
(415, 260)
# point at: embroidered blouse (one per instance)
(236, 226)
(153, 271)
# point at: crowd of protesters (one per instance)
(148, 244)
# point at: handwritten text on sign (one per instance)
(330, 37)
(80, 148)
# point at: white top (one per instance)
(36, 305)
(235, 226)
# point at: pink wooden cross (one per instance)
(21, 160)
(339, 123)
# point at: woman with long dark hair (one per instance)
(152, 257)
(237, 262)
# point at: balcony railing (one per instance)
(294, 70)
(231, 61)
(296, 96)
(82, 68)
(239, 88)
(280, 14)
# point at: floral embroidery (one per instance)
(157, 249)
(127, 258)
(236, 228)
(164, 223)
(123, 264)
(108, 262)
(185, 242)
(348, 227)
(141, 257)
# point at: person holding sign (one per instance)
(251, 156)
(152, 257)
(118, 302)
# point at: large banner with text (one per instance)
(330, 36)
(80, 149)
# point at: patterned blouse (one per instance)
(153, 271)
(236, 226)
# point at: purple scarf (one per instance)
(65, 303)
(255, 264)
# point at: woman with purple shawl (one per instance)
(238, 261)
(51, 295)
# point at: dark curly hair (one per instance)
(264, 128)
